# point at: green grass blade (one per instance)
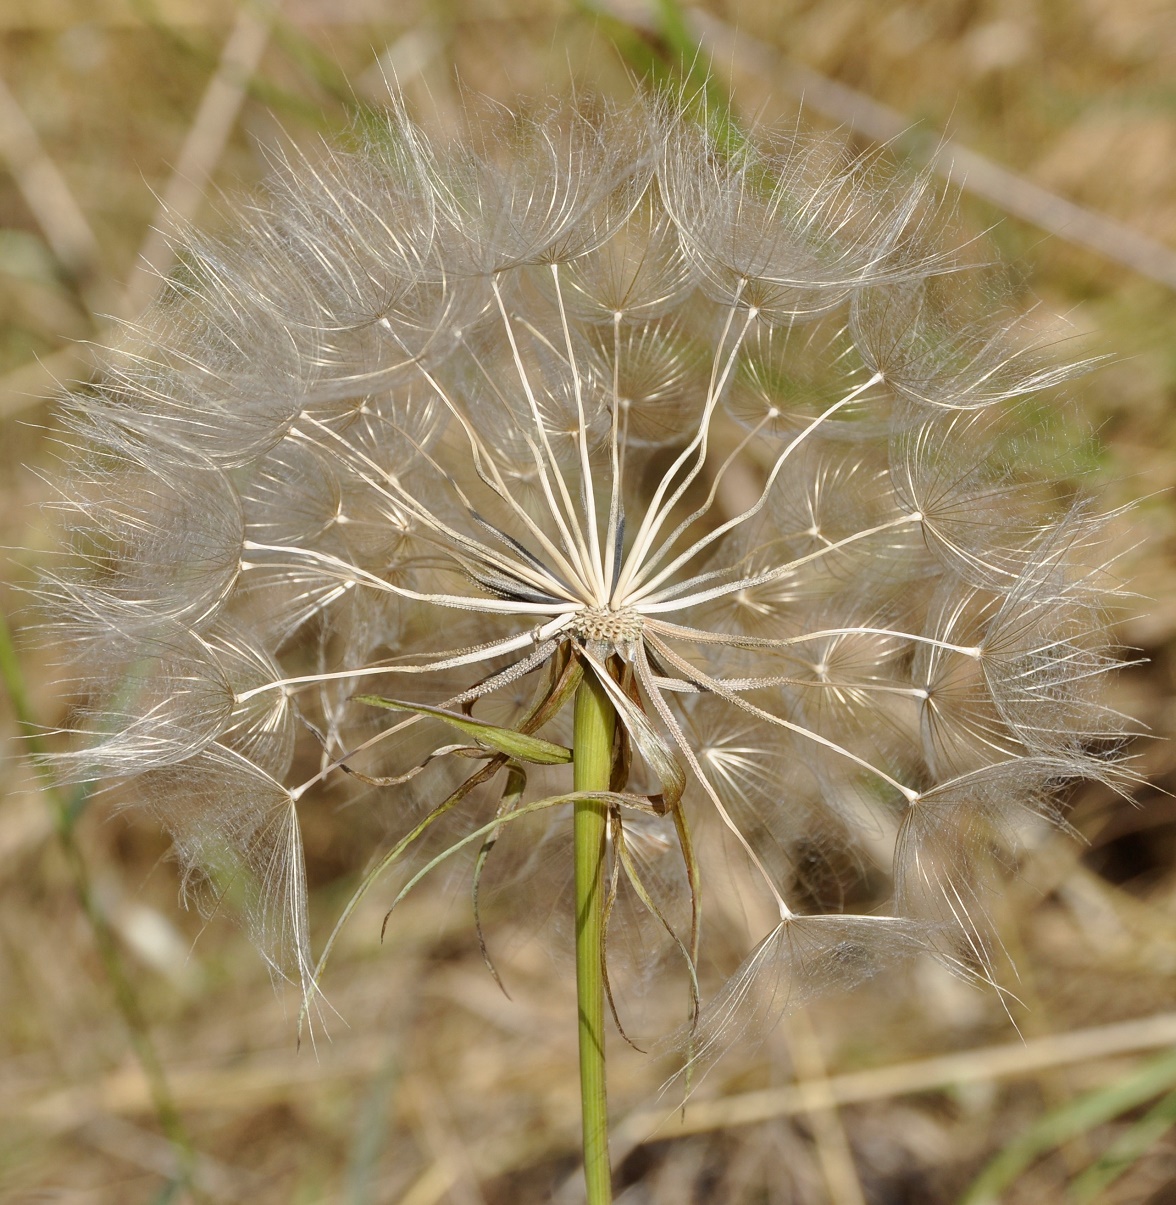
(1126, 1150)
(1071, 1121)
(673, 60)
(65, 812)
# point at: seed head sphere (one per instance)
(442, 430)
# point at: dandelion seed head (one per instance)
(591, 392)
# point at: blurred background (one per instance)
(143, 1053)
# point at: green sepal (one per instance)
(516, 745)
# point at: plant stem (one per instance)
(595, 724)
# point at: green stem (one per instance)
(595, 725)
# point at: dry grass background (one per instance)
(433, 1086)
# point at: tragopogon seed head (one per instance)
(588, 393)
